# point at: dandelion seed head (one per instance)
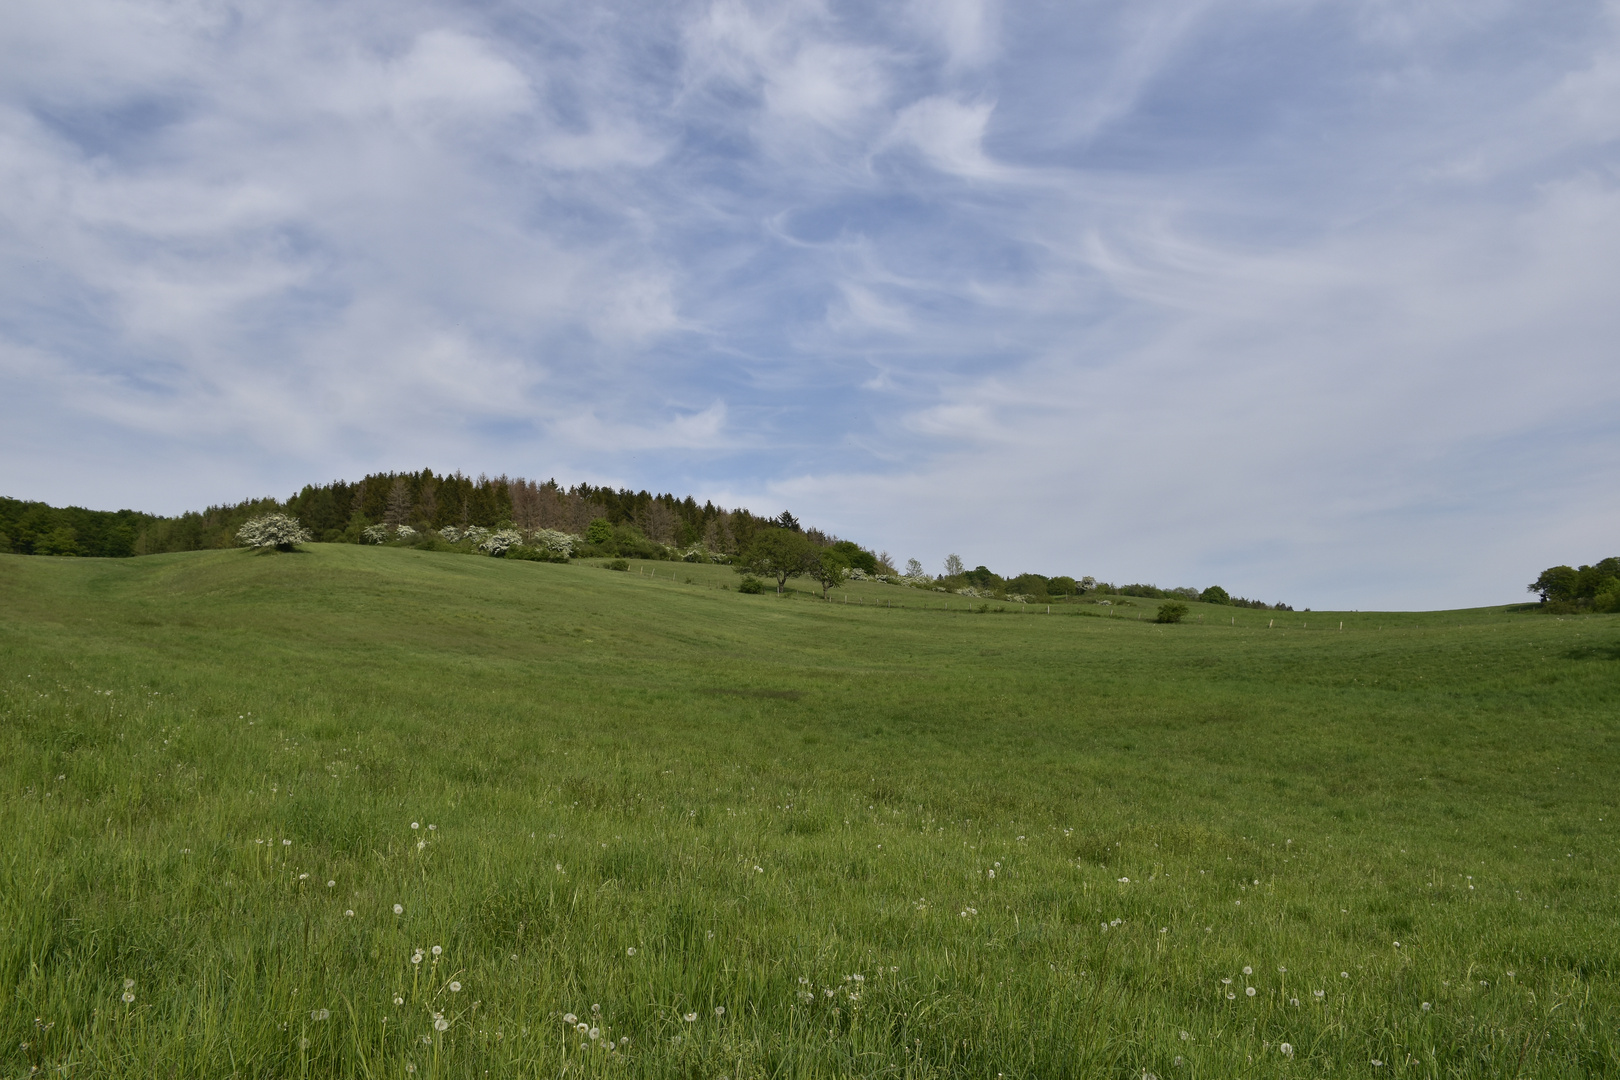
(455, 987)
(398, 1000)
(631, 951)
(1427, 1006)
(719, 1010)
(129, 984)
(1230, 996)
(438, 950)
(690, 1017)
(286, 843)
(441, 1024)
(331, 884)
(399, 909)
(1319, 993)
(1249, 991)
(416, 825)
(1247, 970)
(129, 996)
(1344, 974)
(594, 1033)
(1287, 1050)
(570, 1018)
(582, 1026)
(320, 1014)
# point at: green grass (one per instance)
(752, 792)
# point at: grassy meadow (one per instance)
(376, 812)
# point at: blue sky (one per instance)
(1317, 301)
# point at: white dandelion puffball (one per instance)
(690, 1017)
(398, 1000)
(595, 1033)
(129, 996)
(399, 909)
(1124, 881)
(569, 1018)
(1247, 970)
(1319, 993)
(1249, 991)
(1287, 1050)
(416, 958)
(349, 913)
(320, 1014)
(438, 950)
(631, 951)
(331, 884)
(719, 1010)
(582, 1027)
(302, 877)
(1427, 1006)
(129, 984)
(286, 843)
(455, 987)
(441, 1024)
(1230, 996)
(416, 824)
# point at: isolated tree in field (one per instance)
(1172, 612)
(915, 569)
(1215, 595)
(953, 566)
(779, 553)
(830, 570)
(273, 531)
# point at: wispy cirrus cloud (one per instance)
(1307, 299)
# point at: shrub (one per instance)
(500, 541)
(276, 531)
(1215, 595)
(558, 543)
(751, 585)
(1172, 612)
(616, 564)
(599, 531)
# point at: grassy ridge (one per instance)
(766, 798)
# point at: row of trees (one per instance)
(1033, 588)
(1589, 588)
(638, 523)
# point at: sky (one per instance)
(1318, 301)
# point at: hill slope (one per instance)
(763, 798)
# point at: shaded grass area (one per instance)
(885, 841)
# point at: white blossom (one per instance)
(273, 530)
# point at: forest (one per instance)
(424, 507)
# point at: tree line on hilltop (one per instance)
(1567, 589)
(455, 511)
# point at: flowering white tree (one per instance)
(273, 531)
(558, 543)
(497, 542)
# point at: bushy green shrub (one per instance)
(751, 585)
(1172, 612)
(616, 564)
(1215, 595)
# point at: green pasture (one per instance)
(747, 837)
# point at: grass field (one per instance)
(751, 837)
